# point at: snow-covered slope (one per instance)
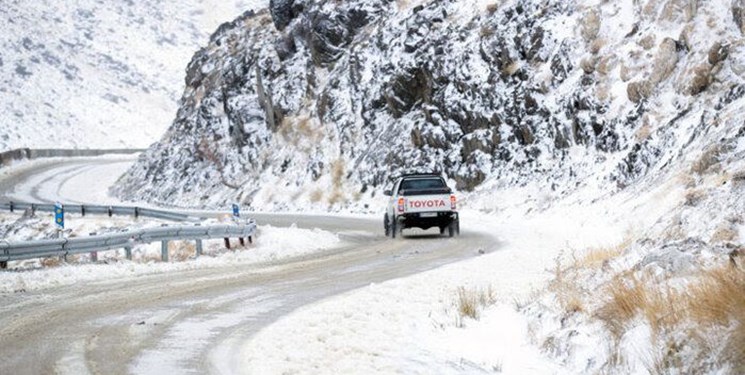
(319, 102)
(625, 115)
(98, 74)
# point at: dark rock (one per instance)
(284, 11)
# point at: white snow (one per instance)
(99, 74)
(270, 244)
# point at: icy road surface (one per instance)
(195, 321)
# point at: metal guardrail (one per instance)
(30, 153)
(85, 209)
(124, 240)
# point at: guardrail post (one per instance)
(240, 239)
(227, 242)
(33, 208)
(82, 210)
(250, 239)
(199, 247)
(111, 211)
(11, 206)
(3, 265)
(164, 250)
(137, 212)
(128, 252)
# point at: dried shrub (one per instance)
(606, 64)
(590, 25)
(511, 68)
(643, 133)
(337, 181)
(717, 300)
(626, 73)
(723, 234)
(50, 262)
(588, 65)
(597, 45)
(486, 31)
(470, 302)
(708, 161)
(599, 256)
(693, 197)
(316, 196)
(492, 8)
(181, 250)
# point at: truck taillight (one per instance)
(401, 203)
(452, 202)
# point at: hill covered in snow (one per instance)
(626, 111)
(319, 102)
(98, 74)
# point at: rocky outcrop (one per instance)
(507, 92)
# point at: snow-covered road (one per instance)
(222, 319)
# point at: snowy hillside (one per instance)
(626, 114)
(320, 102)
(98, 74)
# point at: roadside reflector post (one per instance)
(243, 243)
(94, 256)
(11, 206)
(3, 265)
(227, 242)
(111, 211)
(137, 212)
(164, 251)
(199, 247)
(128, 253)
(250, 239)
(82, 210)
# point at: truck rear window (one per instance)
(423, 185)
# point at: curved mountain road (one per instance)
(195, 321)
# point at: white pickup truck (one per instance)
(421, 201)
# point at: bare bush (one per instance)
(470, 302)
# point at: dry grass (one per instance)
(693, 197)
(471, 301)
(51, 262)
(606, 64)
(599, 256)
(597, 45)
(712, 304)
(724, 233)
(337, 181)
(180, 251)
(708, 161)
(643, 133)
(486, 31)
(630, 296)
(300, 131)
(717, 300)
(316, 196)
(511, 68)
(567, 284)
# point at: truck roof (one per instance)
(417, 175)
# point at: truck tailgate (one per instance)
(427, 203)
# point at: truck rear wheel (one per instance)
(395, 228)
(454, 228)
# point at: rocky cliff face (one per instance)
(320, 102)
